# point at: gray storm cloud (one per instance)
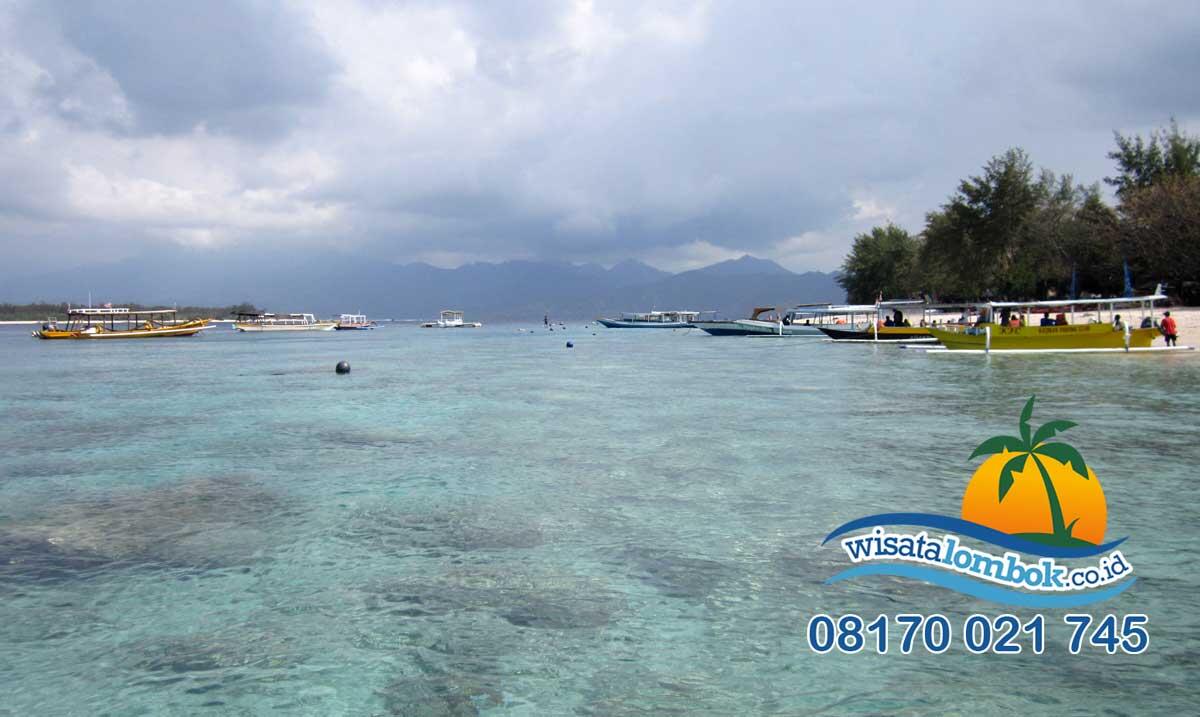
(679, 133)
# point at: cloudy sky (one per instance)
(679, 133)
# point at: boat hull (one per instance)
(618, 324)
(258, 328)
(1044, 338)
(886, 334)
(753, 327)
(190, 328)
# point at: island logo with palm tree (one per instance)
(1036, 487)
(1033, 495)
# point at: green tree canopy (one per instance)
(882, 261)
(1160, 232)
(1013, 232)
(1144, 162)
(973, 241)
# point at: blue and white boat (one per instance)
(653, 320)
(803, 320)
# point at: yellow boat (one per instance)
(994, 337)
(1090, 331)
(121, 323)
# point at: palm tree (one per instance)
(1036, 445)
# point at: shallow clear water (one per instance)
(482, 521)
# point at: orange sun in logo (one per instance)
(1036, 487)
(1025, 509)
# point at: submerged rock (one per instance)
(677, 575)
(459, 530)
(443, 695)
(34, 558)
(203, 523)
(212, 651)
(524, 600)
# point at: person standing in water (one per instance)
(1169, 332)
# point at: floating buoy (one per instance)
(570, 344)
(342, 367)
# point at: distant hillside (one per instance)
(330, 283)
(40, 312)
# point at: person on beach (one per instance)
(1167, 327)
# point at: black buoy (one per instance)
(343, 367)
(570, 344)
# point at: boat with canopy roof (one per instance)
(109, 322)
(451, 319)
(881, 322)
(653, 320)
(799, 320)
(1091, 325)
(266, 323)
(354, 322)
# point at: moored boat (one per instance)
(265, 323)
(652, 320)
(121, 323)
(881, 322)
(1009, 327)
(354, 322)
(451, 319)
(801, 320)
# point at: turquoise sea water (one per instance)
(482, 521)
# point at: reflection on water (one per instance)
(484, 522)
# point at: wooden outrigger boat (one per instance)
(265, 323)
(121, 323)
(1060, 334)
(867, 323)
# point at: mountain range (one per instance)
(332, 283)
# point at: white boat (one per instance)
(253, 323)
(801, 320)
(354, 322)
(451, 319)
(653, 320)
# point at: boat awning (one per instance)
(119, 312)
(1062, 303)
(761, 310)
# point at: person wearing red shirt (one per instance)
(1169, 332)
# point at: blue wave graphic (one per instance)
(972, 530)
(985, 591)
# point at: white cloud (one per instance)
(869, 209)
